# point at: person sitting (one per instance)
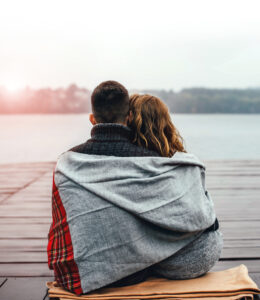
(130, 202)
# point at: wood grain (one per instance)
(24, 289)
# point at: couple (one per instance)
(130, 203)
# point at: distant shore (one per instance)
(74, 99)
(83, 113)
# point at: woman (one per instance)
(152, 126)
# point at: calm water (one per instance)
(28, 138)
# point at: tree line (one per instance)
(74, 99)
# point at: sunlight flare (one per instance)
(14, 86)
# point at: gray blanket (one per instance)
(127, 213)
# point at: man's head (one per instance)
(110, 103)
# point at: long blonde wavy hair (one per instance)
(152, 125)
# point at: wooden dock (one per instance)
(25, 217)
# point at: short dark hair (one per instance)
(110, 102)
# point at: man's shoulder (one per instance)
(112, 148)
(78, 148)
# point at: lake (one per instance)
(31, 138)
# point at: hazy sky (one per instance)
(143, 44)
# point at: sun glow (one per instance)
(14, 86)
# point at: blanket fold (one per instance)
(233, 283)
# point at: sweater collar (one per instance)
(111, 131)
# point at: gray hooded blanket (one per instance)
(123, 214)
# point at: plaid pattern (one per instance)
(60, 249)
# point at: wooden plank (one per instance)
(242, 253)
(29, 201)
(228, 172)
(26, 193)
(234, 162)
(30, 166)
(237, 217)
(2, 281)
(244, 231)
(24, 288)
(241, 249)
(25, 220)
(28, 197)
(237, 195)
(241, 243)
(33, 205)
(23, 245)
(3, 196)
(237, 214)
(20, 206)
(18, 178)
(8, 190)
(25, 270)
(16, 182)
(16, 173)
(24, 231)
(252, 265)
(241, 182)
(227, 204)
(256, 279)
(245, 193)
(25, 212)
(23, 257)
(236, 170)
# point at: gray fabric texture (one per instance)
(128, 213)
(194, 260)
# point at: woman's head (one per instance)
(152, 126)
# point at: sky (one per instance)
(144, 44)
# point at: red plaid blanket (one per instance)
(60, 249)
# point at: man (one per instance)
(121, 212)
